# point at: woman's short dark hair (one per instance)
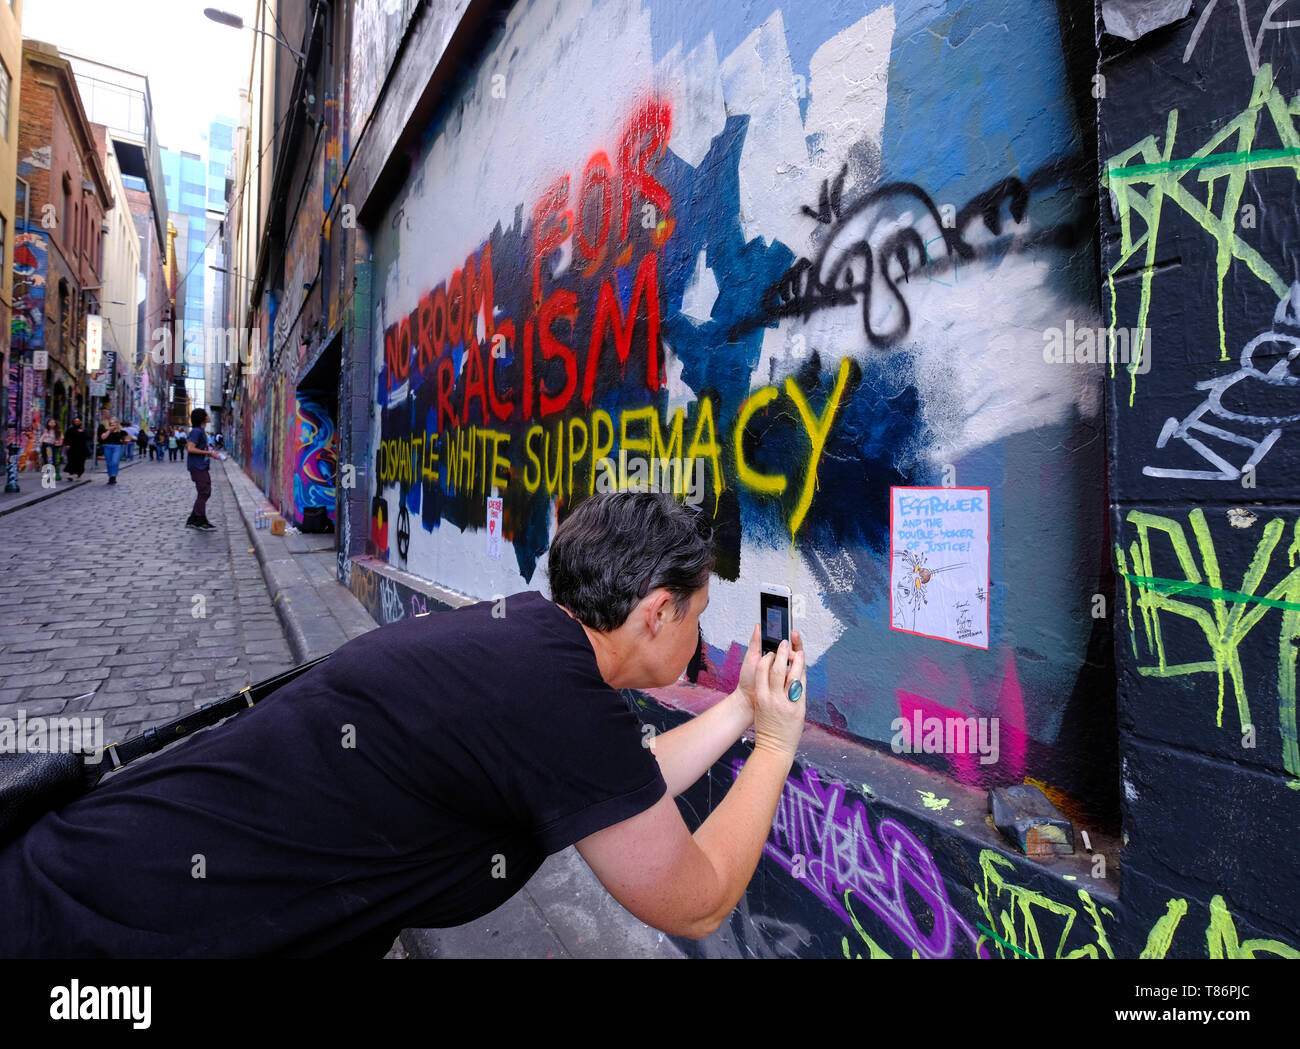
(618, 546)
(198, 417)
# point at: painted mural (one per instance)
(807, 259)
(26, 334)
(27, 324)
(316, 464)
(846, 874)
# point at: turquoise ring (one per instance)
(796, 692)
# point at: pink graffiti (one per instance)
(838, 852)
(1013, 740)
(418, 605)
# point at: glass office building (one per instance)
(195, 186)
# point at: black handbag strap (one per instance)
(154, 739)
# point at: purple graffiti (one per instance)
(419, 606)
(840, 854)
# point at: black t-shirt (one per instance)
(200, 441)
(418, 777)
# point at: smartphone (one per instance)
(774, 615)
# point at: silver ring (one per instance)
(796, 692)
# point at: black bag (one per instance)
(316, 519)
(32, 784)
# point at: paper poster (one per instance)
(939, 563)
(494, 526)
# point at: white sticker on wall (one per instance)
(494, 526)
(939, 563)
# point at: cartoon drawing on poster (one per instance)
(939, 563)
(494, 507)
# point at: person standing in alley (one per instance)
(200, 474)
(141, 440)
(115, 438)
(181, 437)
(75, 450)
(171, 445)
(47, 443)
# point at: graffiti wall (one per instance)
(783, 266)
(27, 324)
(316, 462)
(1199, 145)
(849, 872)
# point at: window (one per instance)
(68, 217)
(4, 101)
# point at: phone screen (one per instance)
(774, 614)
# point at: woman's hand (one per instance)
(762, 677)
(749, 669)
(778, 722)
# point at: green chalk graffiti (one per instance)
(1161, 176)
(1231, 614)
(1221, 940)
(1018, 919)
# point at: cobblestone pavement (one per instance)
(105, 591)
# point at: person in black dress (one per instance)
(75, 450)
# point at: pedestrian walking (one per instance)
(114, 440)
(181, 437)
(200, 474)
(128, 449)
(76, 448)
(171, 446)
(141, 440)
(156, 443)
(48, 438)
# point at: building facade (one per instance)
(185, 176)
(11, 365)
(121, 278)
(119, 99)
(59, 249)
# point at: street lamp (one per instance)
(235, 22)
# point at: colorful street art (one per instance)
(27, 326)
(1224, 614)
(811, 254)
(742, 252)
(1260, 137)
(317, 460)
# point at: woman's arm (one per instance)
(686, 752)
(686, 884)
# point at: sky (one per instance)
(195, 67)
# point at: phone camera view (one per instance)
(776, 622)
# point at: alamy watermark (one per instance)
(950, 735)
(681, 477)
(53, 735)
(1084, 345)
(172, 345)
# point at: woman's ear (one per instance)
(660, 611)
